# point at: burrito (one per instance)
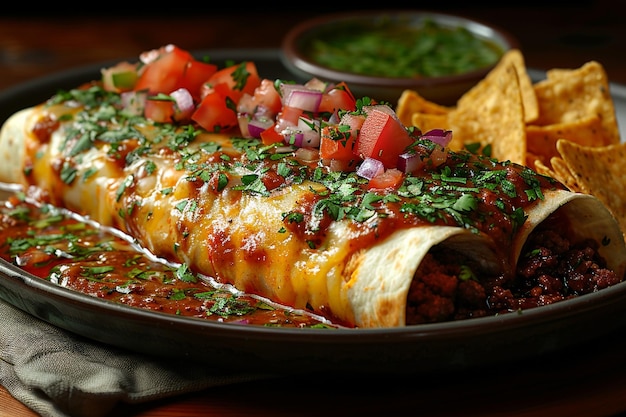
(460, 236)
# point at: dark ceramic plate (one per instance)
(412, 349)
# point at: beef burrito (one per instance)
(460, 235)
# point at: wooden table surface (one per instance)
(587, 380)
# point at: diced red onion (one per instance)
(369, 168)
(293, 137)
(310, 138)
(311, 130)
(286, 89)
(240, 321)
(409, 162)
(184, 103)
(307, 100)
(439, 136)
(256, 126)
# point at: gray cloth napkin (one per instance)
(59, 374)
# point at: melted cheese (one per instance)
(240, 237)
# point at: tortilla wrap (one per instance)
(234, 237)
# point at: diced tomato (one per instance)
(382, 136)
(267, 96)
(271, 135)
(178, 106)
(339, 97)
(288, 117)
(334, 144)
(339, 141)
(172, 69)
(390, 179)
(233, 81)
(163, 75)
(355, 121)
(225, 90)
(196, 74)
(216, 113)
(160, 111)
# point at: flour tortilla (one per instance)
(379, 296)
(368, 288)
(589, 218)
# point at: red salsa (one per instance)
(57, 246)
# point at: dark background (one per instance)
(46, 39)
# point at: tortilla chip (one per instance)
(411, 102)
(492, 114)
(567, 96)
(565, 175)
(599, 171)
(426, 121)
(558, 170)
(529, 99)
(564, 126)
(543, 169)
(587, 131)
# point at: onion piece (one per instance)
(369, 168)
(256, 126)
(293, 136)
(409, 162)
(307, 100)
(439, 136)
(183, 104)
(311, 131)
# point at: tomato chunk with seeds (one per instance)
(382, 136)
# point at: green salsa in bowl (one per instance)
(380, 54)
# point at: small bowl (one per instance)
(299, 46)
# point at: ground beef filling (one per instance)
(551, 269)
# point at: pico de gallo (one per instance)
(321, 119)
